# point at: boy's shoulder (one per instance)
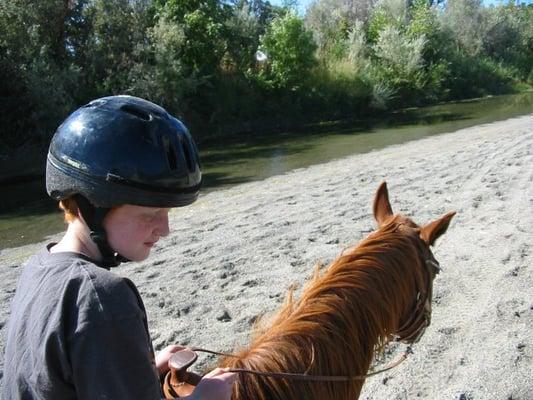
(95, 292)
(110, 295)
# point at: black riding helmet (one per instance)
(122, 150)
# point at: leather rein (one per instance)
(305, 377)
(410, 331)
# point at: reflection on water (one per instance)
(236, 161)
(37, 216)
(264, 156)
(31, 225)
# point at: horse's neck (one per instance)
(336, 326)
(365, 291)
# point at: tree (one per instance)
(509, 36)
(162, 76)
(117, 29)
(400, 61)
(466, 20)
(243, 37)
(290, 49)
(203, 25)
(38, 80)
(387, 13)
(331, 20)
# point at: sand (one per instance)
(232, 256)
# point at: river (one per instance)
(255, 158)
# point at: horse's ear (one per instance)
(432, 231)
(382, 208)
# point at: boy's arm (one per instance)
(114, 360)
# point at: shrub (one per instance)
(290, 49)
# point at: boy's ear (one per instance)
(382, 209)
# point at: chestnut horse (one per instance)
(371, 294)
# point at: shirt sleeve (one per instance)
(113, 360)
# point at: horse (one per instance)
(322, 345)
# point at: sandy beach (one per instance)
(231, 257)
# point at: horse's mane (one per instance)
(342, 318)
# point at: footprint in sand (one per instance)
(224, 317)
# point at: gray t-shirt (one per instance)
(77, 331)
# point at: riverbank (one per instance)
(233, 254)
(238, 157)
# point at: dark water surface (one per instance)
(255, 158)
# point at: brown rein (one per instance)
(305, 377)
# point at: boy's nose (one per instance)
(163, 227)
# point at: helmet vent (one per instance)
(128, 108)
(187, 154)
(170, 153)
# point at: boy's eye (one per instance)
(149, 217)
(152, 216)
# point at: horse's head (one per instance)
(413, 324)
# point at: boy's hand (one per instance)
(162, 357)
(216, 385)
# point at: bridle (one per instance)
(410, 331)
(414, 326)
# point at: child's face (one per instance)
(133, 230)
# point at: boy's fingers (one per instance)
(174, 348)
(223, 373)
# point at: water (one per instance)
(235, 161)
(267, 156)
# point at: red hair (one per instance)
(70, 209)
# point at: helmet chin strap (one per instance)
(94, 218)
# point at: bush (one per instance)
(290, 49)
(339, 90)
(399, 64)
(472, 77)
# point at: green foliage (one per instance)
(243, 29)
(342, 88)
(203, 25)
(377, 24)
(331, 21)
(400, 63)
(477, 76)
(36, 85)
(509, 37)
(118, 27)
(466, 21)
(387, 13)
(423, 22)
(162, 78)
(357, 48)
(290, 49)
(197, 58)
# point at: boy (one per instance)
(77, 330)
